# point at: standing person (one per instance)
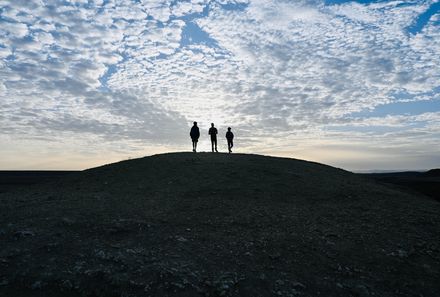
(230, 138)
(195, 134)
(213, 132)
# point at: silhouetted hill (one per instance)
(207, 224)
(433, 173)
(426, 183)
(12, 179)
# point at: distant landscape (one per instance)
(187, 224)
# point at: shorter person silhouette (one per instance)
(195, 134)
(213, 132)
(230, 138)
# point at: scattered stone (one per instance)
(4, 282)
(275, 256)
(329, 242)
(100, 254)
(399, 253)
(37, 285)
(68, 221)
(181, 239)
(298, 285)
(362, 291)
(4, 261)
(24, 233)
(279, 282)
(67, 284)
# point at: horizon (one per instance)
(357, 171)
(350, 84)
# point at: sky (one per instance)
(352, 84)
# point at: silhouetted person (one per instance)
(213, 132)
(230, 138)
(195, 134)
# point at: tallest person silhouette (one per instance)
(213, 132)
(195, 134)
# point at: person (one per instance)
(230, 138)
(213, 132)
(195, 134)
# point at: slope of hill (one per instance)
(12, 179)
(207, 224)
(427, 183)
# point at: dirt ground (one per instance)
(206, 224)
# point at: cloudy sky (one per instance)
(354, 84)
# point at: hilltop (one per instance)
(206, 224)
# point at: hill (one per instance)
(207, 224)
(426, 183)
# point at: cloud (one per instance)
(279, 71)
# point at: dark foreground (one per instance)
(218, 225)
(13, 180)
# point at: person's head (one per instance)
(229, 128)
(212, 124)
(195, 123)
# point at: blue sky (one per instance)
(354, 84)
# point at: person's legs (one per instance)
(212, 145)
(215, 142)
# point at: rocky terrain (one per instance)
(207, 224)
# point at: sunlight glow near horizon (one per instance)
(353, 84)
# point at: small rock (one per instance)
(4, 261)
(101, 254)
(37, 285)
(67, 284)
(24, 233)
(275, 256)
(279, 282)
(68, 221)
(399, 253)
(4, 282)
(362, 291)
(329, 242)
(181, 239)
(298, 285)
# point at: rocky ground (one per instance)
(218, 225)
